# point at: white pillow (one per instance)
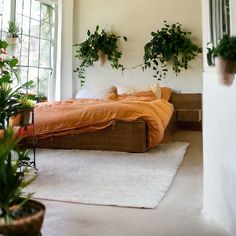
(92, 93)
(155, 88)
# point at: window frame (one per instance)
(50, 69)
(207, 30)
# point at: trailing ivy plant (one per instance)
(88, 51)
(169, 46)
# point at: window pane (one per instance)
(34, 28)
(25, 27)
(33, 75)
(45, 13)
(1, 6)
(19, 6)
(45, 30)
(6, 15)
(35, 10)
(26, 8)
(25, 44)
(34, 52)
(24, 60)
(45, 53)
(23, 74)
(44, 77)
(19, 22)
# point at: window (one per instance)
(219, 19)
(36, 50)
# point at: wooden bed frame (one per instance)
(123, 136)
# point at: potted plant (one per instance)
(99, 45)
(169, 46)
(11, 102)
(15, 215)
(18, 216)
(13, 32)
(12, 36)
(225, 59)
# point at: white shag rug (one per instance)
(107, 178)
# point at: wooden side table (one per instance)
(188, 108)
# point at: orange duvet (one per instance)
(81, 115)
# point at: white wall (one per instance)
(219, 141)
(64, 83)
(136, 19)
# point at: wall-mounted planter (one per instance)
(226, 70)
(102, 57)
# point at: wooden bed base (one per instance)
(123, 136)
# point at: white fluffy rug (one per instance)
(107, 178)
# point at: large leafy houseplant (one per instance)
(10, 98)
(16, 214)
(170, 46)
(11, 178)
(96, 44)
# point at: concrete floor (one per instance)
(179, 213)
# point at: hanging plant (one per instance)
(224, 56)
(169, 46)
(98, 45)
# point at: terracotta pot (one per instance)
(27, 226)
(226, 70)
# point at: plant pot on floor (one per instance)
(226, 70)
(29, 225)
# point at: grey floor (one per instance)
(179, 213)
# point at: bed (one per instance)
(130, 122)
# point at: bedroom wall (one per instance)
(136, 19)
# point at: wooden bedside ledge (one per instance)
(188, 108)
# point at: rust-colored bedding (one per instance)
(82, 115)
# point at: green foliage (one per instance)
(11, 177)
(9, 89)
(226, 48)
(169, 46)
(40, 97)
(88, 51)
(13, 30)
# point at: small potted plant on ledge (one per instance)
(98, 46)
(169, 46)
(225, 59)
(13, 36)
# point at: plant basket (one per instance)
(226, 70)
(27, 226)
